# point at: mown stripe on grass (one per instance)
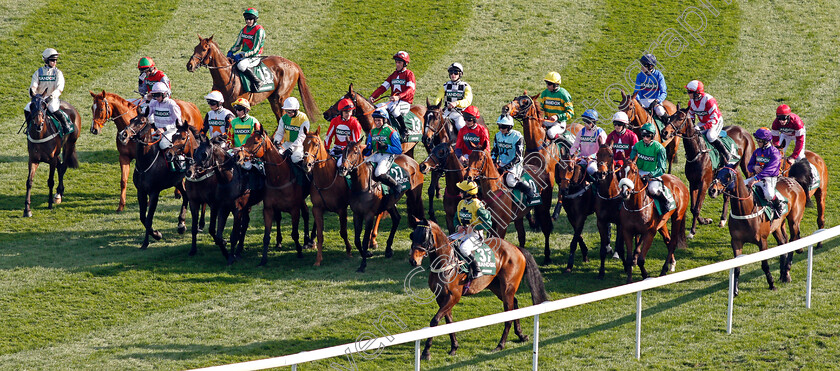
(15, 12)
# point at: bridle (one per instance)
(109, 112)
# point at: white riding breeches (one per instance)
(554, 132)
(383, 162)
(790, 140)
(53, 104)
(767, 185)
(247, 63)
(297, 150)
(468, 242)
(590, 164)
(456, 117)
(166, 140)
(511, 179)
(654, 186)
(714, 133)
(398, 108)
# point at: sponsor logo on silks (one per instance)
(588, 139)
(554, 103)
(216, 122)
(646, 157)
(455, 94)
(242, 131)
(788, 131)
(762, 159)
(159, 113)
(246, 36)
(621, 146)
(397, 82)
(504, 146)
(290, 127)
(464, 214)
(700, 113)
(472, 138)
(342, 132)
(46, 77)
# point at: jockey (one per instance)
(250, 41)
(471, 220)
(704, 107)
(243, 125)
(650, 88)
(218, 119)
(788, 128)
(164, 113)
(765, 163)
(621, 140)
(149, 76)
(557, 106)
(294, 125)
(344, 128)
(588, 140)
(507, 155)
(650, 158)
(49, 82)
(402, 84)
(472, 137)
(457, 94)
(382, 145)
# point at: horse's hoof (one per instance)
(360, 270)
(57, 199)
(192, 252)
(690, 235)
(567, 270)
(300, 255)
(263, 263)
(546, 261)
(156, 235)
(452, 352)
(120, 208)
(367, 254)
(523, 338)
(425, 356)
(615, 255)
(499, 348)
(586, 259)
(27, 213)
(144, 246)
(389, 253)
(722, 223)
(672, 267)
(600, 276)
(50, 207)
(182, 229)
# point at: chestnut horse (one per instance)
(698, 164)
(639, 218)
(639, 116)
(286, 74)
(578, 201)
(46, 145)
(801, 172)
(750, 224)
(446, 281)
(282, 192)
(111, 107)
(368, 201)
(442, 159)
(607, 203)
(499, 199)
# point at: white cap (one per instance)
(291, 103)
(620, 116)
(216, 96)
(49, 52)
(160, 87)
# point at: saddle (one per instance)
(484, 256)
(262, 73)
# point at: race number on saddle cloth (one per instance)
(508, 147)
(218, 119)
(473, 137)
(294, 125)
(457, 95)
(402, 84)
(557, 106)
(788, 128)
(383, 143)
(49, 82)
(765, 163)
(651, 89)
(621, 140)
(243, 125)
(343, 128)
(164, 113)
(588, 140)
(652, 163)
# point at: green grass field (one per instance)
(77, 293)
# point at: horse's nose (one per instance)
(423, 168)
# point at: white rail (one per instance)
(535, 310)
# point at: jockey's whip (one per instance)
(374, 108)
(22, 126)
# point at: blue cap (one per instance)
(591, 114)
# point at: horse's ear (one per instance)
(211, 37)
(678, 106)
(623, 94)
(634, 95)
(199, 37)
(318, 131)
(350, 89)
(427, 102)
(92, 94)
(524, 92)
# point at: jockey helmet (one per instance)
(346, 105)
(620, 117)
(251, 12)
(456, 67)
(242, 102)
(160, 87)
(403, 56)
(504, 121)
(291, 103)
(648, 60)
(215, 95)
(380, 113)
(552, 77)
(590, 114)
(763, 134)
(49, 52)
(783, 110)
(468, 187)
(695, 86)
(144, 63)
(648, 128)
(472, 111)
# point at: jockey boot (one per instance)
(723, 151)
(526, 190)
(401, 126)
(777, 208)
(250, 73)
(474, 271)
(66, 125)
(388, 180)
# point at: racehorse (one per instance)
(578, 201)
(639, 116)
(698, 164)
(285, 74)
(328, 191)
(442, 159)
(448, 283)
(111, 107)
(607, 203)
(200, 177)
(152, 175)
(282, 191)
(639, 218)
(368, 201)
(749, 225)
(46, 145)
(500, 201)
(801, 172)
(363, 110)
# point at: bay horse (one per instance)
(285, 75)
(801, 172)
(639, 218)
(639, 116)
(112, 107)
(442, 159)
(607, 203)
(698, 163)
(363, 110)
(368, 201)
(448, 284)
(151, 176)
(578, 201)
(200, 177)
(500, 202)
(328, 191)
(750, 224)
(282, 191)
(44, 144)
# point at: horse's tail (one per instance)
(70, 158)
(306, 95)
(678, 228)
(535, 278)
(801, 172)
